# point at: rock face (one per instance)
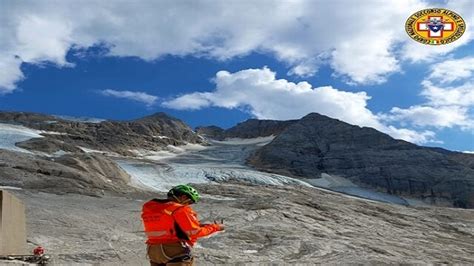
(212, 132)
(161, 124)
(318, 144)
(48, 145)
(151, 132)
(251, 128)
(86, 174)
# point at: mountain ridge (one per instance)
(250, 128)
(304, 148)
(318, 144)
(152, 132)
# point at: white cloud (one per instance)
(419, 137)
(462, 95)
(358, 39)
(271, 98)
(43, 39)
(417, 52)
(450, 83)
(445, 116)
(452, 70)
(305, 69)
(142, 97)
(449, 103)
(357, 59)
(265, 97)
(192, 101)
(10, 73)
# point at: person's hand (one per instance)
(221, 227)
(221, 224)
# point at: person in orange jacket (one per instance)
(172, 227)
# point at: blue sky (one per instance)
(221, 63)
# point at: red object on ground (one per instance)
(38, 251)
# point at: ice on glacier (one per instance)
(12, 134)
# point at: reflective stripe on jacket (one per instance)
(169, 222)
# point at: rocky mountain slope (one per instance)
(67, 156)
(149, 133)
(318, 144)
(251, 128)
(213, 132)
(81, 173)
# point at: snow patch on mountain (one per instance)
(169, 151)
(260, 141)
(12, 134)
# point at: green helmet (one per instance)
(184, 190)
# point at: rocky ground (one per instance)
(294, 225)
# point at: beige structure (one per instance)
(12, 225)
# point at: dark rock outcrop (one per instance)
(318, 144)
(462, 158)
(251, 128)
(212, 132)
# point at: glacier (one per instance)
(224, 161)
(11, 134)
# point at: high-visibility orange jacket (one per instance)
(167, 221)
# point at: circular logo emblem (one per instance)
(435, 26)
